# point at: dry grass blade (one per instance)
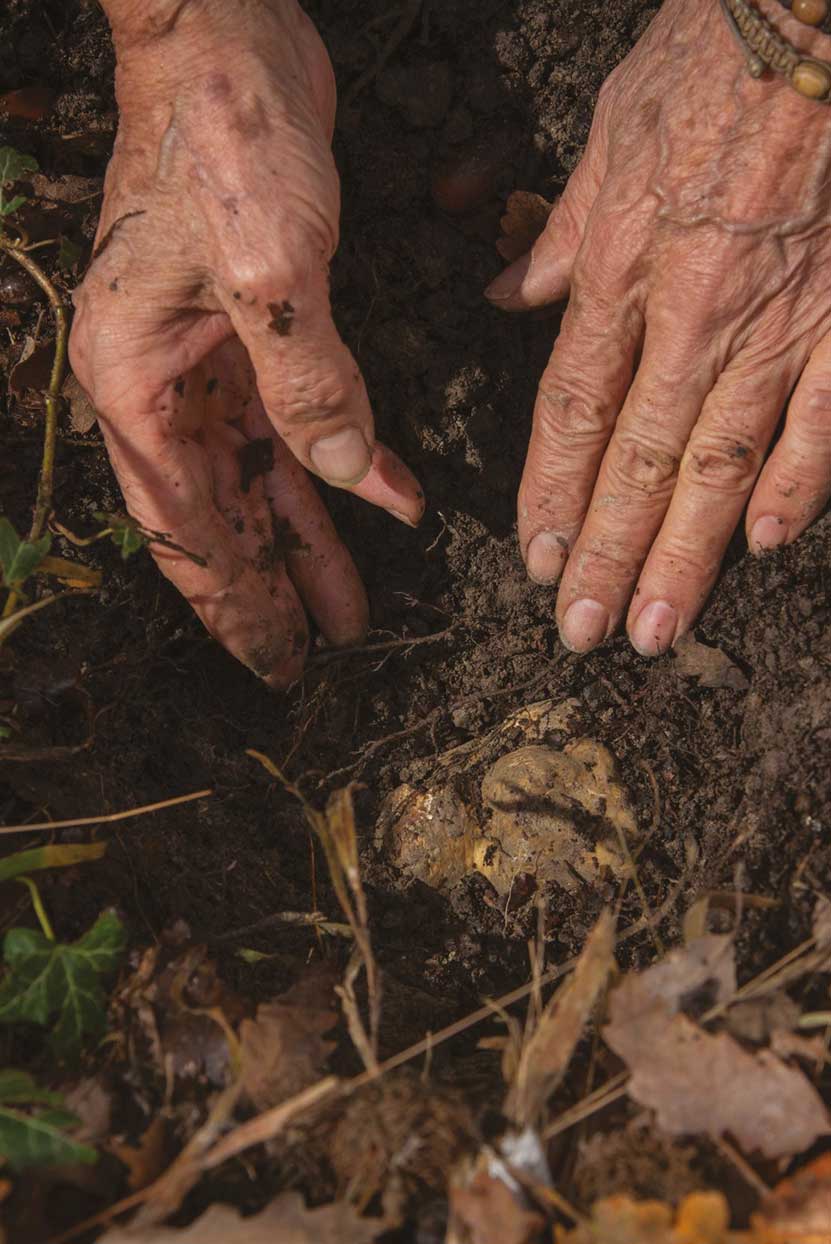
(547, 1051)
(109, 818)
(335, 828)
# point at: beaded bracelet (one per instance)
(811, 13)
(764, 48)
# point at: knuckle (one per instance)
(307, 395)
(636, 466)
(812, 416)
(603, 560)
(720, 461)
(255, 281)
(677, 560)
(573, 418)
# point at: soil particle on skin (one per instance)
(730, 787)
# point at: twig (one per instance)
(105, 819)
(399, 34)
(43, 501)
(743, 1167)
(341, 654)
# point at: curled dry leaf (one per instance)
(699, 1083)
(799, 1209)
(526, 215)
(82, 414)
(283, 1050)
(711, 666)
(284, 1221)
(547, 1052)
(484, 1210)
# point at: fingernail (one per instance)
(509, 281)
(342, 458)
(584, 626)
(768, 533)
(654, 629)
(545, 557)
(402, 518)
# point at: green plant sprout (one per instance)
(14, 242)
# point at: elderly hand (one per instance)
(695, 241)
(203, 331)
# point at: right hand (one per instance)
(204, 324)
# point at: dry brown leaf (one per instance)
(283, 1050)
(29, 103)
(284, 1221)
(144, 1161)
(526, 215)
(699, 1083)
(705, 966)
(799, 1209)
(32, 370)
(484, 1210)
(711, 666)
(547, 1053)
(82, 414)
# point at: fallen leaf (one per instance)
(283, 1050)
(30, 103)
(547, 1052)
(698, 1083)
(484, 1210)
(799, 1209)
(526, 216)
(144, 1161)
(33, 369)
(50, 856)
(284, 1221)
(703, 971)
(711, 666)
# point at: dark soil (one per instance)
(122, 699)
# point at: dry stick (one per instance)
(341, 654)
(43, 502)
(408, 20)
(106, 819)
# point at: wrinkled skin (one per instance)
(693, 242)
(204, 323)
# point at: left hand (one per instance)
(695, 241)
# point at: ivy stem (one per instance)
(43, 501)
(40, 910)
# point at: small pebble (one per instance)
(18, 288)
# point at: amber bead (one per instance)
(812, 80)
(811, 12)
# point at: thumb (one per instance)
(543, 275)
(309, 383)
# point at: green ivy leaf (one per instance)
(21, 559)
(50, 982)
(31, 1135)
(14, 165)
